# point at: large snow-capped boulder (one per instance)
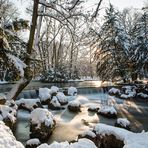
(54, 104)
(7, 140)
(114, 137)
(45, 95)
(108, 111)
(81, 143)
(72, 91)
(123, 123)
(28, 104)
(32, 143)
(8, 115)
(62, 98)
(42, 124)
(74, 106)
(54, 90)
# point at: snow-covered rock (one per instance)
(42, 124)
(114, 91)
(40, 115)
(74, 106)
(123, 123)
(142, 95)
(7, 113)
(62, 98)
(12, 104)
(72, 91)
(32, 143)
(82, 143)
(7, 140)
(109, 136)
(44, 94)
(93, 107)
(54, 104)
(108, 111)
(129, 92)
(28, 104)
(54, 89)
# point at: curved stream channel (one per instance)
(70, 125)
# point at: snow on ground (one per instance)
(107, 109)
(40, 115)
(7, 112)
(142, 95)
(34, 141)
(82, 143)
(123, 121)
(28, 103)
(54, 89)
(114, 91)
(7, 140)
(72, 91)
(61, 97)
(44, 94)
(131, 140)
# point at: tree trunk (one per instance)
(27, 71)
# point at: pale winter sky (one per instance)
(120, 4)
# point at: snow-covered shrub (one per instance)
(108, 111)
(42, 124)
(62, 98)
(72, 91)
(7, 140)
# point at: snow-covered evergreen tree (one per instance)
(113, 47)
